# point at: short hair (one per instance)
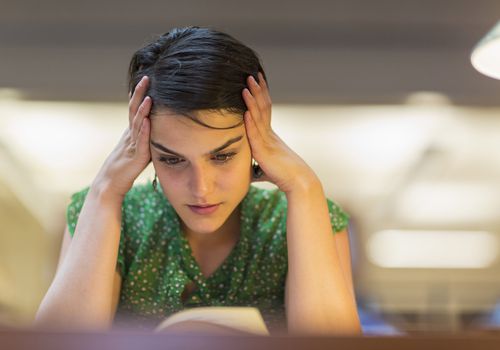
(193, 69)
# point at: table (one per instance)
(30, 339)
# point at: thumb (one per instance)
(144, 134)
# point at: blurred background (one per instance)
(379, 97)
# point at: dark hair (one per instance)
(195, 68)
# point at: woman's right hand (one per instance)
(132, 154)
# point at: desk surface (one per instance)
(27, 339)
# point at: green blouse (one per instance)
(156, 262)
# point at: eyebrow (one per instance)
(215, 150)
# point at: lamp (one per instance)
(486, 55)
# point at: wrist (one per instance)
(101, 190)
(304, 185)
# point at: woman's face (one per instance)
(204, 173)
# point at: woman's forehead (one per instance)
(178, 130)
(211, 119)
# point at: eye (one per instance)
(223, 157)
(171, 161)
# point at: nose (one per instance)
(201, 181)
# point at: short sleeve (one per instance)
(338, 218)
(72, 213)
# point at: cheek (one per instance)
(236, 175)
(170, 183)
(239, 172)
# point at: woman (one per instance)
(200, 110)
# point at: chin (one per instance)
(202, 225)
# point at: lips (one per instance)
(204, 209)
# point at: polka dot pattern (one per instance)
(156, 262)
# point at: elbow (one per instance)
(321, 323)
(58, 317)
(320, 328)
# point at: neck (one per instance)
(228, 232)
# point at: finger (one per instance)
(252, 105)
(251, 129)
(261, 93)
(260, 123)
(137, 97)
(264, 87)
(255, 137)
(256, 92)
(143, 137)
(141, 114)
(255, 140)
(262, 99)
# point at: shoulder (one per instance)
(339, 219)
(141, 203)
(142, 197)
(270, 206)
(144, 209)
(74, 207)
(265, 202)
(138, 195)
(264, 213)
(265, 210)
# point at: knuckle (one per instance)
(132, 100)
(130, 152)
(132, 122)
(127, 137)
(131, 149)
(142, 107)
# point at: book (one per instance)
(216, 320)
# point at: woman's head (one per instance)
(199, 146)
(194, 69)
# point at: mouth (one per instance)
(204, 209)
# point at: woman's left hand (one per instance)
(280, 164)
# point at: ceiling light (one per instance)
(486, 55)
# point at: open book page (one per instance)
(242, 319)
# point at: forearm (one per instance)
(342, 246)
(319, 296)
(80, 295)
